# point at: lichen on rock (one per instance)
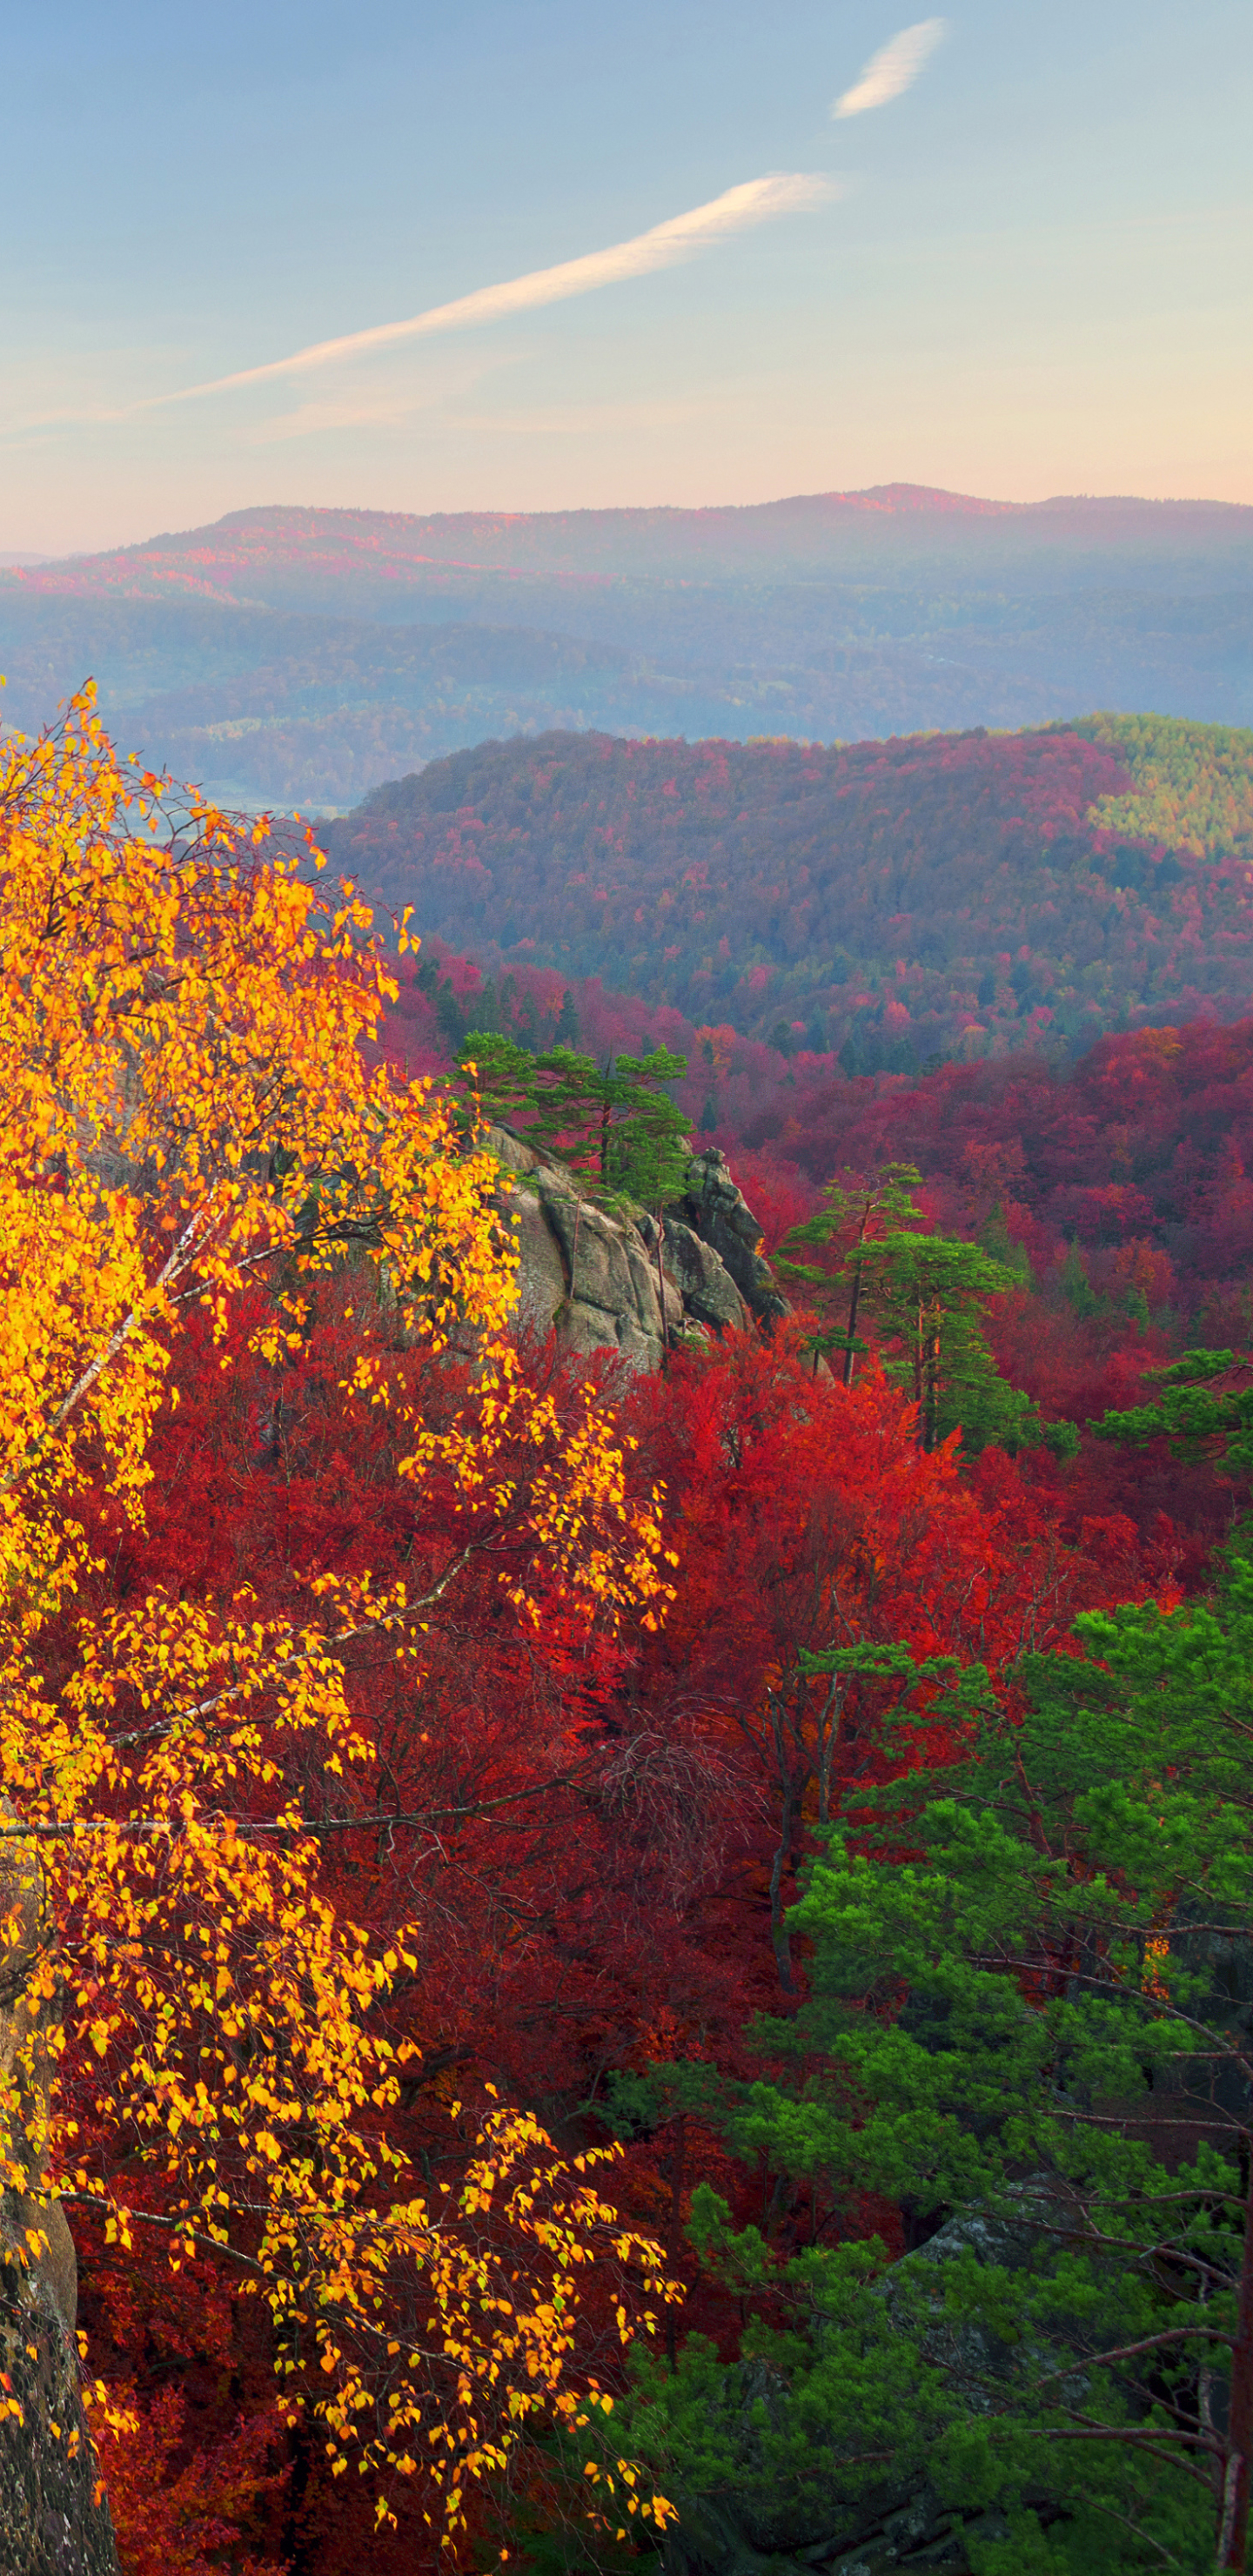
(606, 1278)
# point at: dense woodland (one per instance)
(890, 902)
(812, 1780)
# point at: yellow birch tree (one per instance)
(189, 1107)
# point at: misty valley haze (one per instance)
(302, 657)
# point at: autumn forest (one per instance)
(616, 1965)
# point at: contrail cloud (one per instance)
(755, 201)
(893, 69)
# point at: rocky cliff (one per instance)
(52, 2521)
(614, 1278)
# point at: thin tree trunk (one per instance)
(853, 1304)
(1233, 2537)
(931, 1418)
(676, 2218)
(828, 1739)
(778, 1921)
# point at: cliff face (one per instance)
(717, 1212)
(51, 2521)
(615, 1282)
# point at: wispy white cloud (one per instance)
(591, 420)
(755, 201)
(316, 419)
(388, 395)
(893, 69)
(569, 420)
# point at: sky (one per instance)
(1005, 251)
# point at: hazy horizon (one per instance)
(19, 559)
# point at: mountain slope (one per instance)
(894, 900)
(271, 708)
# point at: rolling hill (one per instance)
(301, 558)
(893, 902)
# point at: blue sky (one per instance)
(1034, 277)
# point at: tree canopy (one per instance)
(1027, 2025)
(192, 1132)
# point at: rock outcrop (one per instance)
(51, 2522)
(719, 1216)
(611, 1279)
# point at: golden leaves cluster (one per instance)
(184, 1019)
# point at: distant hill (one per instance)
(297, 558)
(958, 894)
(301, 657)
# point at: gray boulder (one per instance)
(605, 1279)
(718, 1213)
(705, 1284)
(615, 1298)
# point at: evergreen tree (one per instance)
(1075, 1285)
(858, 1212)
(927, 1292)
(566, 1033)
(647, 1146)
(1205, 1408)
(921, 1292)
(555, 1100)
(1029, 2026)
(614, 1125)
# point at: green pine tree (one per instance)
(1030, 2026)
(857, 1213)
(1205, 1408)
(566, 1033)
(647, 1146)
(927, 1292)
(615, 1125)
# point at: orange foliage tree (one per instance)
(190, 1111)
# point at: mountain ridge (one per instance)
(511, 535)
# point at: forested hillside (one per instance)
(1125, 1182)
(273, 654)
(886, 901)
(550, 1907)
